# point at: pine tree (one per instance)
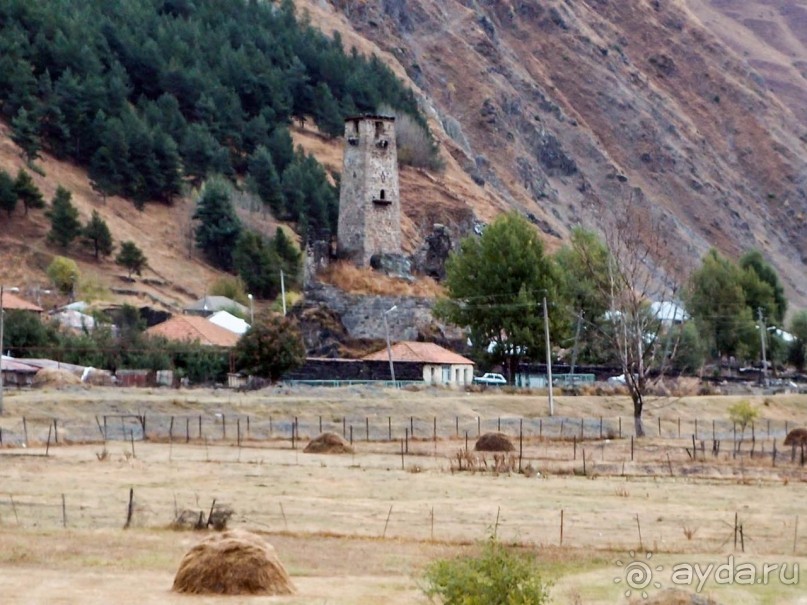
(168, 167)
(8, 197)
(132, 258)
(265, 181)
(109, 167)
(199, 149)
(96, 234)
(27, 191)
(257, 264)
(289, 256)
(65, 226)
(327, 112)
(219, 226)
(24, 133)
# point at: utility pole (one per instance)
(576, 339)
(389, 347)
(283, 292)
(762, 342)
(548, 361)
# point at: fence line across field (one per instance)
(235, 427)
(138, 508)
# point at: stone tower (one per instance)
(369, 202)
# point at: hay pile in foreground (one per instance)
(54, 377)
(234, 562)
(494, 442)
(328, 443)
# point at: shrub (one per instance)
(496, 576)
(64, 274)
(742, 413)
(231, 287)
(415, 144)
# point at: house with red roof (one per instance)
(14, 302)
(192, 328)
(439, 366)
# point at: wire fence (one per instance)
(714, 450)
(237, 427)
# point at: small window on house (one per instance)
(383, 195)
(356, 127)
(379, 128)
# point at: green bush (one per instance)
(743, 413)
(496, 576)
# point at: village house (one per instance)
(190, 328)
(439, 366)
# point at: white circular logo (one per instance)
(637, 574)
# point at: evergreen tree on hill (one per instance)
(132, 258)
(96, 234)
(219, 228)
(265, 181)
(27, 191)
(8, 197)
(24, 133)
(186, 88)
(65, 225)
(258, 265)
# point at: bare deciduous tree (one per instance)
(637, 270)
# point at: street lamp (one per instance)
(389, 348)
(251, 310)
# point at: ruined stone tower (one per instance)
(369, 202)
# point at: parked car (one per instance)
(490, 379)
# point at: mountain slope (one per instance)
(569, 110)
(688, 111)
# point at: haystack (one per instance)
(55, 377)
(328, 443)
(494, 442)
(796, 437)
(233, 563)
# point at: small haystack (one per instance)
(328, 443)
(494, 442)
(233, 563)
(796, 437)
(55, 377)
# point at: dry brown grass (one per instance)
(233, 563)
(366, 281)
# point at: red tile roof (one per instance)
(14, 302)
(423, 352)
(191, 328)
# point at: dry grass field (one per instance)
(358, 529)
